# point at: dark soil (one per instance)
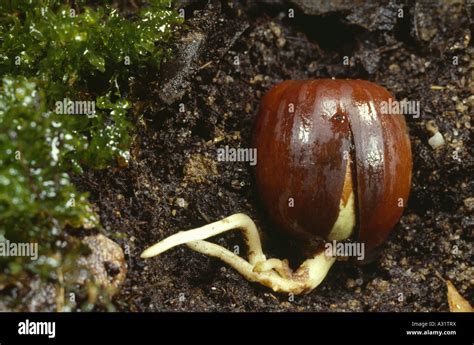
(174, 181)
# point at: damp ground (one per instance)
(227, 55)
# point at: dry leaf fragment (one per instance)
(456, 302)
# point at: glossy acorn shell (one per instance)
(303, 133)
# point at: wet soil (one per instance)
(208, 97)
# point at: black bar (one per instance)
(239, 328)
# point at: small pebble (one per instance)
(394, 68)
(275, 29)
(280, 42)
(256, 79)
(436, 140)
(313, 66)
(181, 203)
(351, 283)
(469, 203)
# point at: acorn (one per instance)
(333, 165)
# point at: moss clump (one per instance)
(57, 64)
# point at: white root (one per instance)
(236, 221)
(273, 273)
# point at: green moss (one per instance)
(51, 54)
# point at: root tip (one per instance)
(146, 254)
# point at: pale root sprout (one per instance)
(273, 273)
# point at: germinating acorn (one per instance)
(331, 166)
(325, 146)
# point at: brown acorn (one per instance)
(326, 148)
